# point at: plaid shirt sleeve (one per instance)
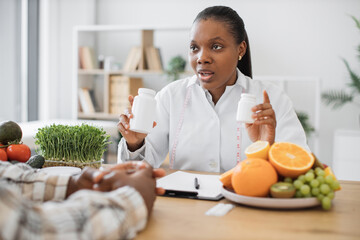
(31, 183)
(86, 214)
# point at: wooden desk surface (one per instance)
(176, 218)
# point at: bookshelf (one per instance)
(137, 54)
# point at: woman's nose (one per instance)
(203, 57)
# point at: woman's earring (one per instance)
(240, 57)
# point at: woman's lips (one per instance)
(205, 75)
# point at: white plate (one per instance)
(266, 202)
(61, 170)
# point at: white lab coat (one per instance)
(207, 139)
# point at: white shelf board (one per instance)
(98, 115)
(99, 28)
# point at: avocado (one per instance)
(36, 161)
(282, 190)
(9, 132)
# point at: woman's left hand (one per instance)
(264, 125)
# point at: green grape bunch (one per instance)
(314, 183)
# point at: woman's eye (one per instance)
(217, 47)
(193, 48)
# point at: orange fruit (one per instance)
(289, 159)
(258, 149)
(253, 177)
(328, 171)
(225, 178)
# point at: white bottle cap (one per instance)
(248, 95)
(146, 91)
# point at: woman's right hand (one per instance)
(134, 140)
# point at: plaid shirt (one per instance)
(86, 214)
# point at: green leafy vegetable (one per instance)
(83, 143)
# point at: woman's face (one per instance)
(214, 54)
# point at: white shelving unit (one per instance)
(90, 35)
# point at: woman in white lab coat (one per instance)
(196, 116)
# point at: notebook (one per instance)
(182, 184)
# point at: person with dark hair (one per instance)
(196, 116)
(36, 205)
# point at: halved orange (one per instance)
(225, 178)
(289, 159)
(258, 149)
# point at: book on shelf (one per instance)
(86, 102)
(120, 88)
(87, 57)
(79, 105)
(136, 55)
(93, 100)
(133, 59)
(153, 59)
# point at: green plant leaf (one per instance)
(175, 67)
(336, 98)
(304, 120)
(357, 22)
(339, 98)
(355, 79)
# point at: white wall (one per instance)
(56, 54)
(288, 38)
(9, 82)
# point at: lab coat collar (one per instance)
(242, 80)
(193, 80)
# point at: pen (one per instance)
(177, 193)
(196, 182)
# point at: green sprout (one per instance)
(83, 143)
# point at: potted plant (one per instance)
(304, 120)
(77, 146)
(338, 98)
(175, 67)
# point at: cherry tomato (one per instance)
(3, 155)
(18, 152)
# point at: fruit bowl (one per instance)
(272, 203)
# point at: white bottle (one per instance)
(143, 110)
(247, 101)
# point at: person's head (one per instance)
(217, 39)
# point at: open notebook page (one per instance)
(210, 185)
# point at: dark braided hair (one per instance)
(235, 26)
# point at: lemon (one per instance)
(258, 149)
